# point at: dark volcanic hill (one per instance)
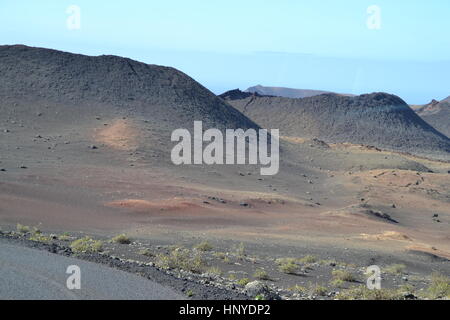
(238, 94)
(69, 85)
(376, 119)
(437, 114)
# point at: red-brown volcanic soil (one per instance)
(144, 200)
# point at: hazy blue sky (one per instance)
(323, 44)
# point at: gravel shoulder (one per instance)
(36, 270)
(214, 269)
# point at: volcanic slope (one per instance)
(437, 114)
(377, 119)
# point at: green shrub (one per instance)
(121, 238)
(395, 269)
(232, 277)
(281, 261)
(317, 290)
(146, 252)
(298, 289)
(243, 282)
(239, 250)
(261, 275)
(204, 246)
(36, 230)
(40, 238)
(220, 255)
(22, 229)
(64, 237)
(337, 283)
(180, 258)
(287, 265)
(223, 256)
(439, 287)
(86, 245)
(307, 259)
(363, 293)
(215, 271)
(328, 262)
(343, 275)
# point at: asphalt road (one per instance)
(34, 274)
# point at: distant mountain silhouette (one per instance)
(285, 92)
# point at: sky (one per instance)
(349, 46)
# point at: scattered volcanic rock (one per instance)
(377, 119)
(258, 288)
(437, 114)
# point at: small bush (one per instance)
(363, 293)
(176, 247)
(36, 230)
(311, 290)
(328, 262)
(64, 237)
(214, 270)
(317, 290)
(239, 250)
(190, 293)
(22, 229)
(204, 246)
(146, 252)
(439, 287)
(395, 269)
(289, 268)
(298, 289)
(307, 259)
(281, 261)
(287, 265)
(181, 259)
(40, 238)
(223, 256)
(232, 277)
(343, 275)
(407, 289)
(220, 255)
(243, 282)
(121, 238)
(261, 275)
(86, 245)
(337, 283)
